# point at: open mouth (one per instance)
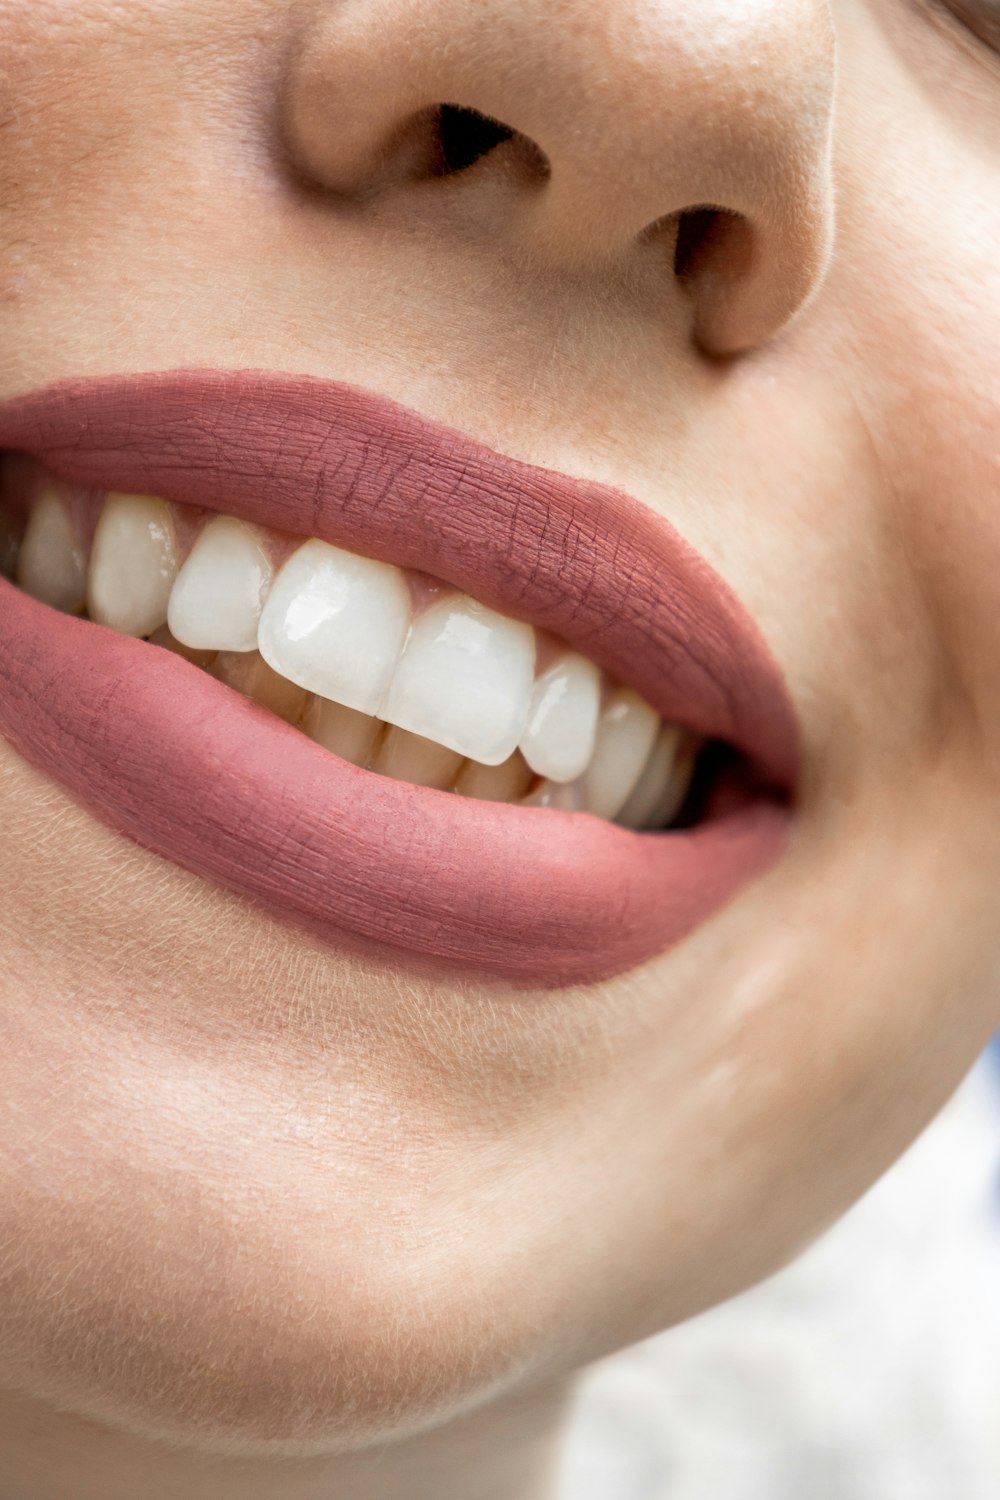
(387, 668)
(363, 670)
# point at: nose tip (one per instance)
(618, 121)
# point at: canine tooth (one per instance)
(566, 795)
(654, 779)
(410, 757)
(335, 623)
(248, 673)
(220, 589)
(51, 565)
(562, 719)
(162, 637)
(625, 734)
(347, 733)
(506, 782)
(465, 680)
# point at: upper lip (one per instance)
(577, 558)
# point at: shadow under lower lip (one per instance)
(160, 751)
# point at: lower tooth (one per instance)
(51, 565)
(162, 637)
(248, 673)
(568, 796)
(344, 731)
(506, 782)
(410, 757)
(652, 785)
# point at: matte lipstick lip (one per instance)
(201, 776)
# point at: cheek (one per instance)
(918, 288)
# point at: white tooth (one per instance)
(566, 795)
(504, 783)
(248, 673)
(162, 637)
(221, 587)
(625, 734)
(409, 757)
(335, 623)
(347, 733)
(654, 780)
(465, 680)
(51, 565)
(562, 719)
(133, 563)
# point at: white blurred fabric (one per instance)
(868, 1370)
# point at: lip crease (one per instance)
(204, 777)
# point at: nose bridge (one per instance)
(640, 109)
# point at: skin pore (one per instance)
(280, 1221)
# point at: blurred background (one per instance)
(868, 1370)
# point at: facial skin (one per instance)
(277, 1204)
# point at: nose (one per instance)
(604, 128)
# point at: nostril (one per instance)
(434, 142)
(464, 135)
(697, 230)
(716, 253)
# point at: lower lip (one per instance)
(207, 779)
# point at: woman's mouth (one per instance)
(413, 693)
(387, 668)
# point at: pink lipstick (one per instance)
(186, 767)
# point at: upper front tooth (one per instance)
(133, 563)
(220, 590)
(465, 680)
(335, 623)
(51, 565)
(625, 735)
(562, 719)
